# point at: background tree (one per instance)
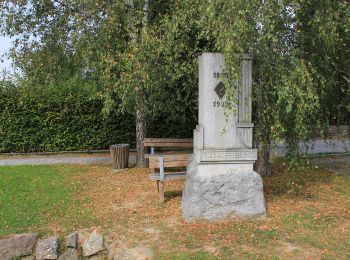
(98, 42)
(289, 61)
(145, 54)
(324, 40)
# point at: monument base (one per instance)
(222, 191)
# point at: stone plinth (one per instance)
(220, 181)
(214, 192)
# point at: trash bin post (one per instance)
(120, 156)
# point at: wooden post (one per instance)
(120, 156)
(161, 191)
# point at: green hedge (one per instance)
(70, 118)
(58, 121)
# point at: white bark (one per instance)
(132, 21)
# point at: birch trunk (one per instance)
(140, 98)
(262, 165)
(140, 136)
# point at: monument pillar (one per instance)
(220, 181)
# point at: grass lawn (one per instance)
(40, 198)
(308, 218)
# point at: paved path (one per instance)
(314, 147)
(37, 160)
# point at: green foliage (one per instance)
(143, 57)
(324, 37)
(300, 66)
(55, 118)
(298, 104)
(283, 96)
(115, 49)
(70, 117)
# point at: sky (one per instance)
(5, 44)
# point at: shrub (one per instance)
(69, 117)
(65, 118)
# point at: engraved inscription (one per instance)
(217, 75)
(210, 155)
(218, 103)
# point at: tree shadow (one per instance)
(295, 182)
(170, 195)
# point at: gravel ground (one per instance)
(56, 159)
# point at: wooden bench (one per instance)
(153, 143)
(162, 162)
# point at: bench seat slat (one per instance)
(164, 153)
(168, 140)
(168, 176)
(161, 144)
(181, 163)
(169, 157)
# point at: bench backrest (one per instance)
(168, 142)
(169, 160)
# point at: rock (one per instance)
(29, 257)
(69, 254)
(71, 240)
(16, 246)
(83, 235)
(93, 244)
(96, 257)
(222, 195)
(47, 249)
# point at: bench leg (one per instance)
(161, 191)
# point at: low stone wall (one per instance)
(29, 247)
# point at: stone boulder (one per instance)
(71, 240)
(16, 246)
(69, 254)
(83, 235)
(47, 249)
(97, 257)
(93, 244)
(217, 196)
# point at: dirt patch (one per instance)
(152, 231)
(127, 210)
(137, 253)
(127, 203)
(291, 250)
(120, 247)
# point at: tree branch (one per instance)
(343, 74)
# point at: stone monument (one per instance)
(220, 181)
